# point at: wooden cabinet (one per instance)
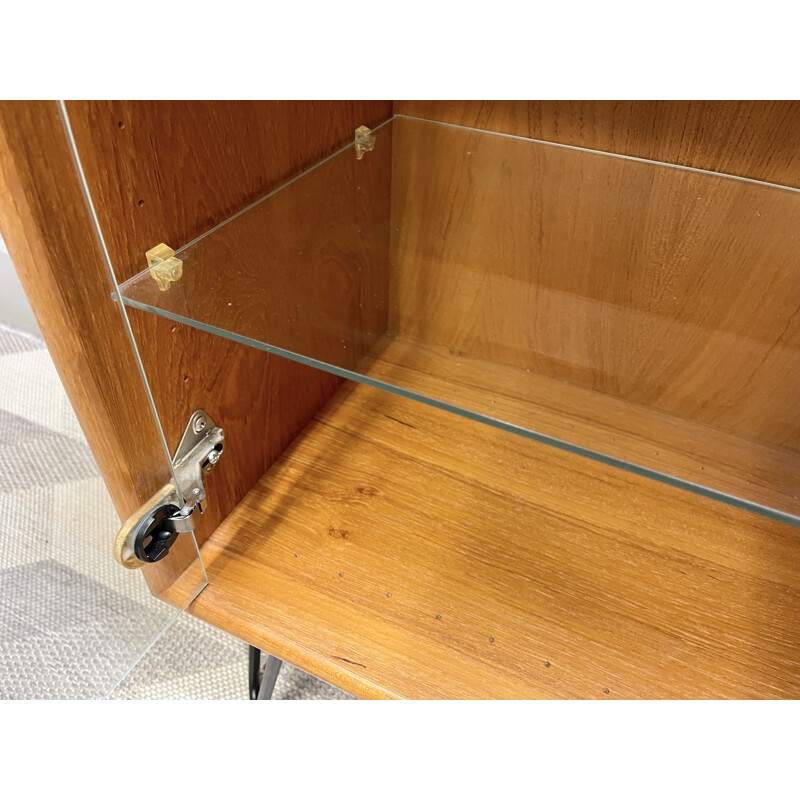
(503, 417)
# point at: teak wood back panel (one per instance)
(49, 232)
(669, 288)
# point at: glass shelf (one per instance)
(640, 314)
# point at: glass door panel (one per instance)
(73, 622)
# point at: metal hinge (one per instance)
(147, 535)
(199, 450)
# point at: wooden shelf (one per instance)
(396, 550)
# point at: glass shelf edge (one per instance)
(550, 441)
(608, 153)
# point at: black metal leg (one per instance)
(271, 671)
(255, 671)
(262, 686)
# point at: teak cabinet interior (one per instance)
(396, 549)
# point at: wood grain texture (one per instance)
(51, 238)
(757, 139)
(169, 171)
(398, 551)
(673, 289)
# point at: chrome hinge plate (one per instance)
(147, 535)
(198, 452)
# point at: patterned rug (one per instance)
(73, 624)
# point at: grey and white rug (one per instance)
(72, 622)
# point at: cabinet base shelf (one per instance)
(393, 553)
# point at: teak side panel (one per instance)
(51, 238)
(169, 171)
(52, 242)
(398, 551)
(757, 139)
(669, 288)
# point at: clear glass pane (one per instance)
(640, 314)
(73, 621)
